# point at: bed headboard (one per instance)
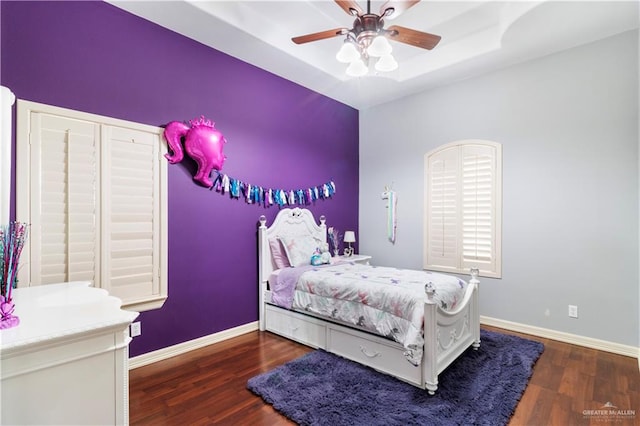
(288, 222)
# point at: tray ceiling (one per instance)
(477, 37)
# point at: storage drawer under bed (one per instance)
(376, 352)
(295, 326)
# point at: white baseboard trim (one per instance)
(574, 339)
(184, 347)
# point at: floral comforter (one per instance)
(386, 301)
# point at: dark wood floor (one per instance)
(208, 386)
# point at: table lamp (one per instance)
(349, 237)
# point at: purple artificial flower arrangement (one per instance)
(334, 240)
(12, 239)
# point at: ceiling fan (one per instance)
(368, 36)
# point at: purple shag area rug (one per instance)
(481, 387)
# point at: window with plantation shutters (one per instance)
(93, 189)
(463, 206)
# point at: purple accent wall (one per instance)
(94, 57)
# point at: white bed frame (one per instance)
(446, 334)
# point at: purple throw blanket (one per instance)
(285, 284)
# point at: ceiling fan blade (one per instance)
(320, 35)
(351, 7)
(413, 37)
(398, 7)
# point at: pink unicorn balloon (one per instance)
(202, 141)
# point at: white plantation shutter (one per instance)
(65, 202)
(96, 203)
(463, 208)
(131, 235)
(442, 209)
(480, 212)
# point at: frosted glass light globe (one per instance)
(347, 53)
(386, 63)
(357, 68)
(379, 47)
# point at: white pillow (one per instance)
(299, 249)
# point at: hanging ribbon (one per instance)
(392, 205)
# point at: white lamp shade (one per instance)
(347, 53)
(379, 47)
(349, 237)
(357, 68)
(386, 63)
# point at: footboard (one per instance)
(449, 334)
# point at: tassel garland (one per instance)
(254, 194)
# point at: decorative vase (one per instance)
(7, 319)
(336, 253)
(12, 238)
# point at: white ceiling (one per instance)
(477, 37)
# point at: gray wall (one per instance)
(568, 124)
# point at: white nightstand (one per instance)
(357, 258)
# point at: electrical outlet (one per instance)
(573, 311)
(135, 329)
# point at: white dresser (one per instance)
(67, 361)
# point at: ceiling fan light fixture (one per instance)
(368, 38)
(357, 68)
(347, 53)
(386, 63)
(379, 47)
